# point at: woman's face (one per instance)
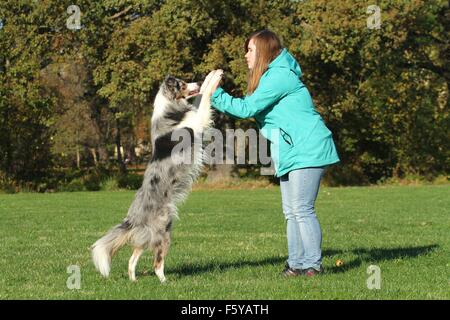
(251, 54)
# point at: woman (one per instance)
(301, 145)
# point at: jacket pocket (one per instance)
(286, 137)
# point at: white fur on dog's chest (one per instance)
(192, 120)
(159, 106)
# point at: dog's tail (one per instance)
(105, 247)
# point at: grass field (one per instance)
(230, 244)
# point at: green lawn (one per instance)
(230, 244)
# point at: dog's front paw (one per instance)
(214, 81)
(206, 82)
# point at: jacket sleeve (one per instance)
(272, 87)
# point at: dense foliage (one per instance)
(73, 93)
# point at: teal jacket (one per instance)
(286, 116)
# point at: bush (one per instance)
(110, 184)
(73, 186)
(7, 185)
(92, 181)
(411, 179)
(130, 181)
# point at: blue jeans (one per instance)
(299, 189)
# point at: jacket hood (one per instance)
(286, 60)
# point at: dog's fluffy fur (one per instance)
(167, 180)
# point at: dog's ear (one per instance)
(171, 82)
(171, 87)
(169, 79)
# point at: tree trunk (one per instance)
(222, 172)
(102, 154)
(131, 153)
(8, 165)
(78, 157)
(78, 149)
(98, 107)
(94, 155)
(122, 167)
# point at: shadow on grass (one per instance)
(194, 269)
(371, 256)
(375, 255)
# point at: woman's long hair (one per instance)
(268, 46)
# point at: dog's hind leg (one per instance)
(160, 252)
(133, 262)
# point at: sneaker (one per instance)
(311, 272)
(291, 272)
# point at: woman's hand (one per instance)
(211, 82)
(218, 75)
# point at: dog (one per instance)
(167, 179)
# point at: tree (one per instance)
(383, 92)
(26, 109)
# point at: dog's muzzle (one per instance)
(193, 89)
